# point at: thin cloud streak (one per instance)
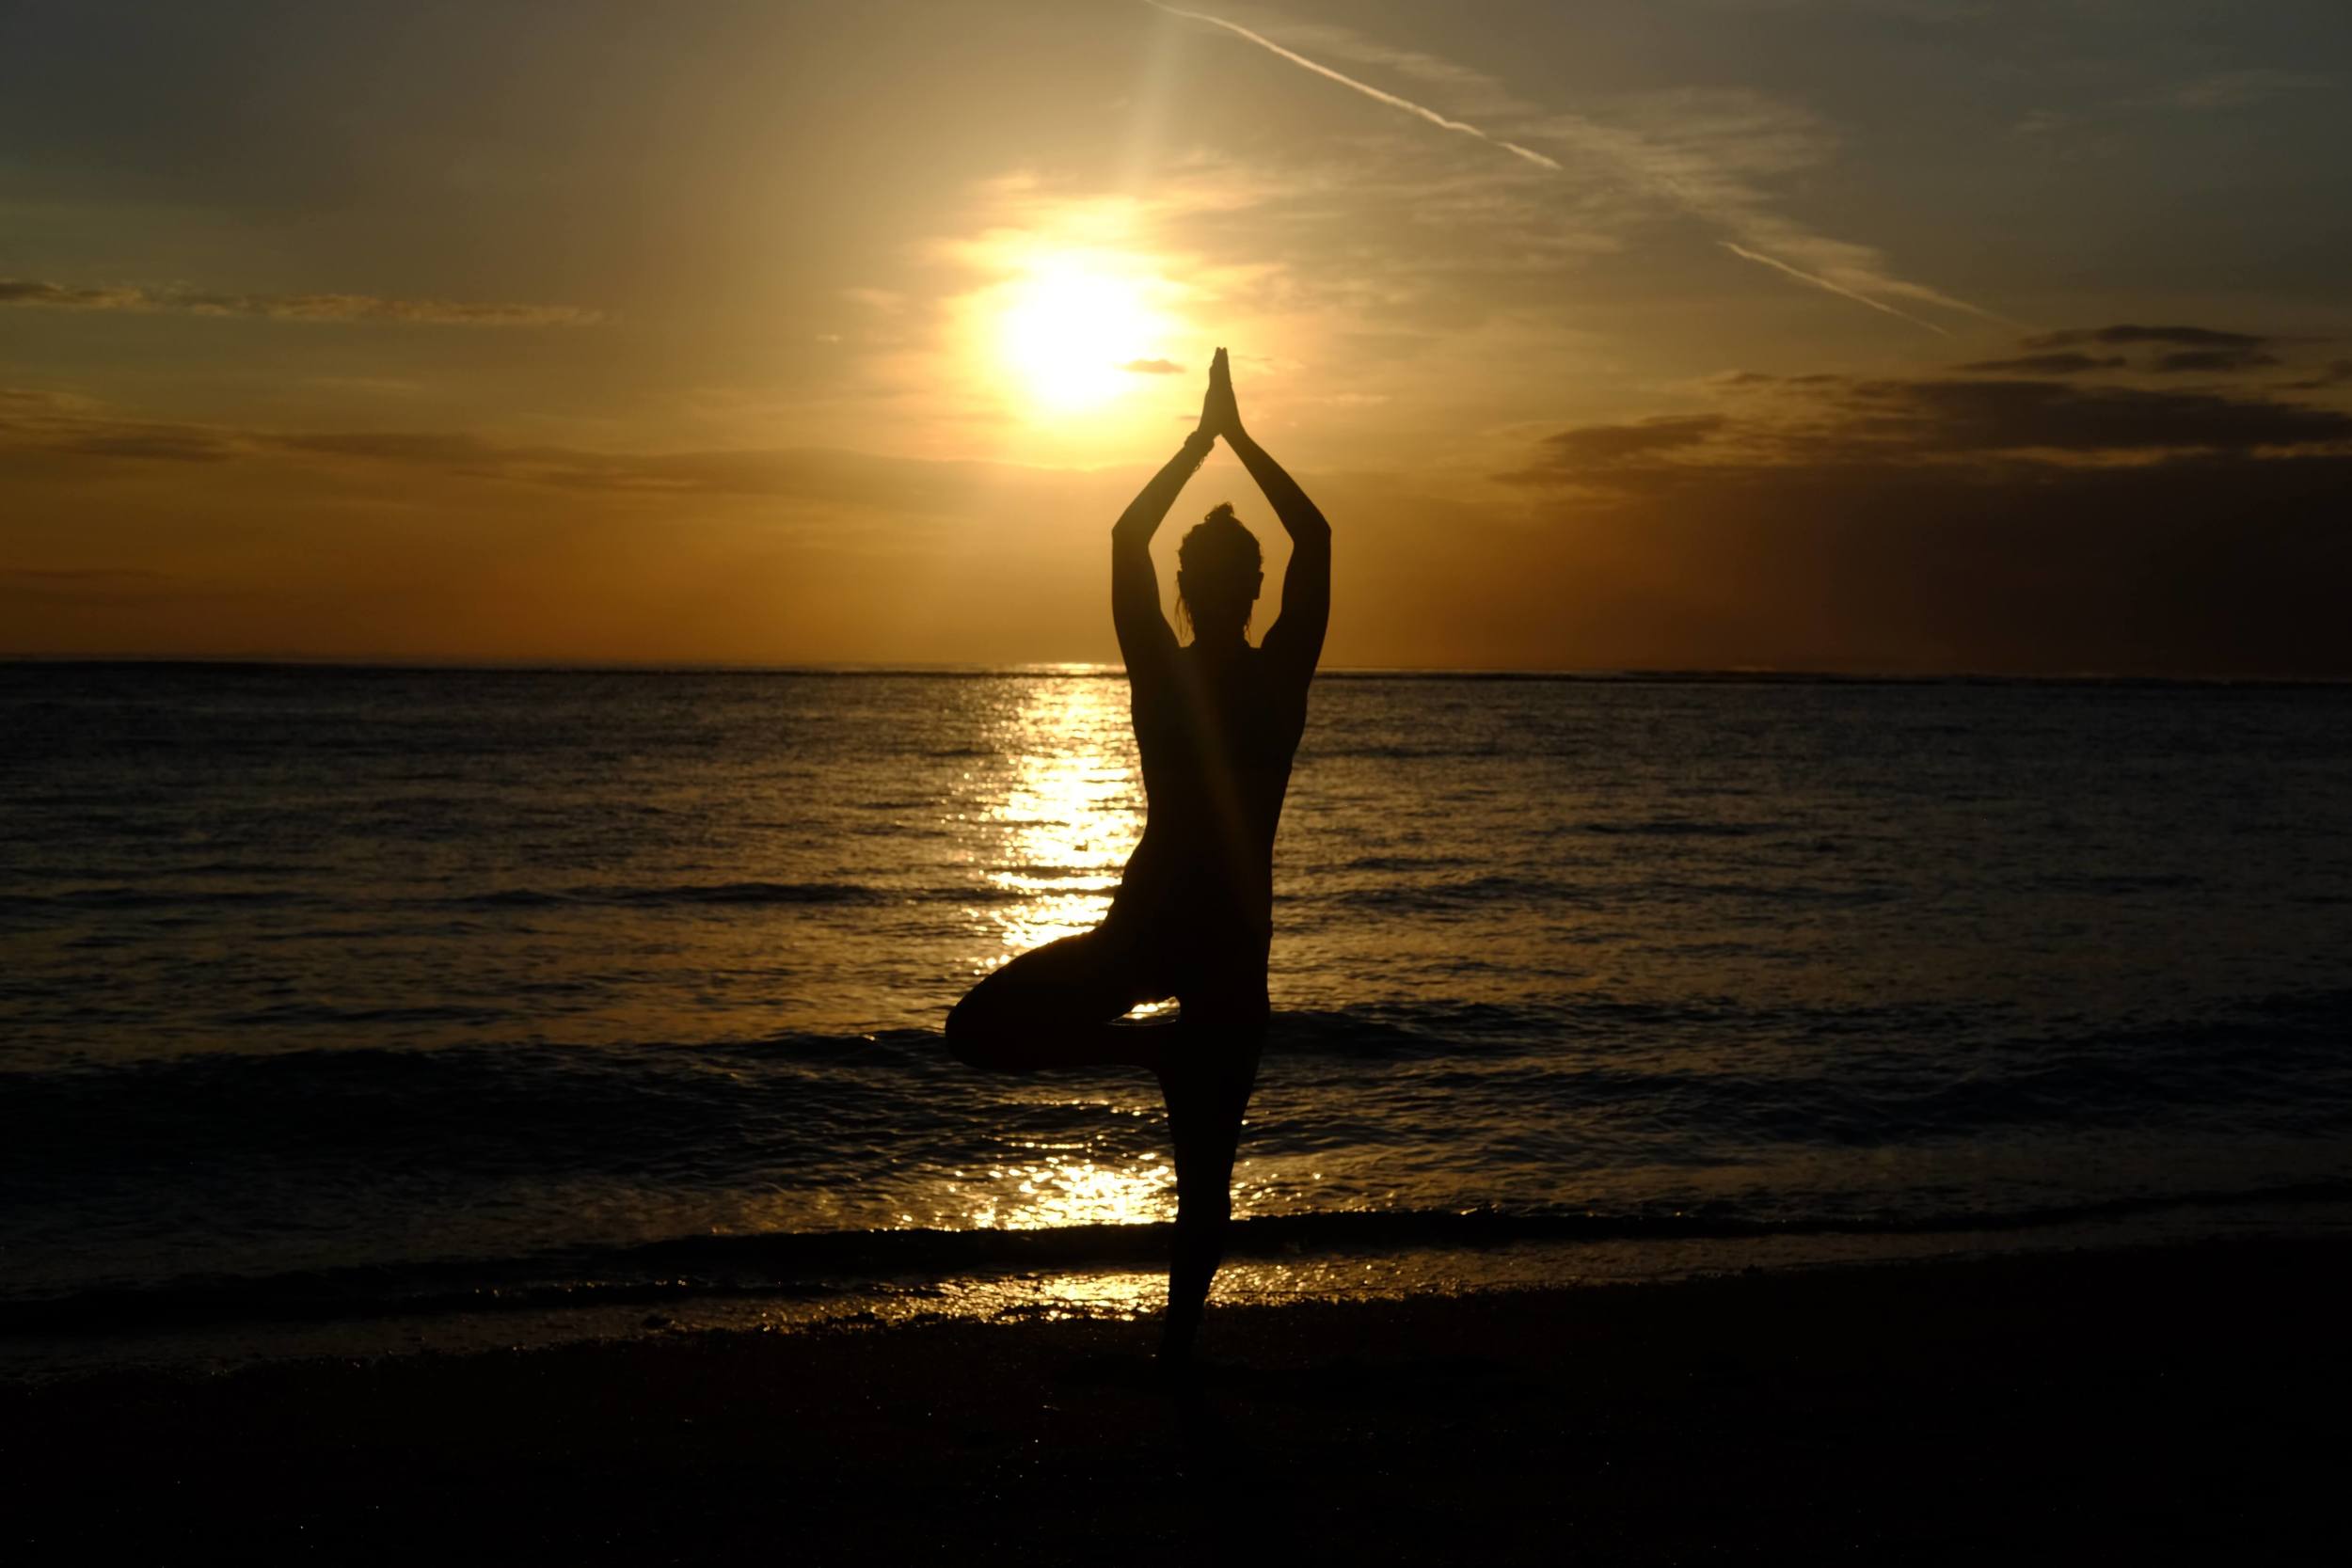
(1631, 152)
(1758, 256)
(1431, 116)
(35, 294)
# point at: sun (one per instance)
(1073, 324)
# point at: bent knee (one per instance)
(975, 1035)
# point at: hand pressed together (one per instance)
(1219, 414)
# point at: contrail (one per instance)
(1391, 100)
(1832, 288)
(1624, 154)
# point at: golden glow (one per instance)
(1071, 322)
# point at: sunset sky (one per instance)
(1868, 335)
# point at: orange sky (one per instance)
(1843, 334)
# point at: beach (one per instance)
(2186, 1400)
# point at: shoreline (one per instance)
(763, 1283)
(2180, 1396)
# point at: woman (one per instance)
(1217, 722)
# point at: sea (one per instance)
(346, 1011)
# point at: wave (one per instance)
(318, 1013)
(124, 897)
(1583, 1080)
(1499, 889)
(737, 893)
(675, 893)
(819, 1263)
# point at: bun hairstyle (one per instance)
(1217, 568)
(1219, 547)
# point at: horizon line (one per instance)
(1095, 669)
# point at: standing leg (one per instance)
(1206, 1078)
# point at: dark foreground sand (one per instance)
(2100, 1408)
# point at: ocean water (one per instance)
(344, 994)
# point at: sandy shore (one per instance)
(2100, 1405)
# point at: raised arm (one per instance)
(1296, 639)
(1144, 637)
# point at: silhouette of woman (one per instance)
(1217, 722)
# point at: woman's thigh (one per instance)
(1088, 978)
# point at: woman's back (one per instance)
(1216, 733)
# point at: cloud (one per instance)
(2338, 373)
(25, 291)
(1705, 177)
(1462, 85)
(158, 443)
(2214, 359)
(2231, 89)
(2046, 364)
(2201, 349)
(92, 587)
(780, 472)
(1153, 367)
(296, 308)
(1616, 443)
(2022, 427)
(2190, 337)
(82, 574)
(60, 424)
(1858, 297)
(1391, 100)
(446, 450)
(2103, 128)
(49, 432)
(1933, 524)
(2222, 565)
(2023, 415)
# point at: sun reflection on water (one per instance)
(1066, 815)
(1055, 819)
(1056, 1189)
